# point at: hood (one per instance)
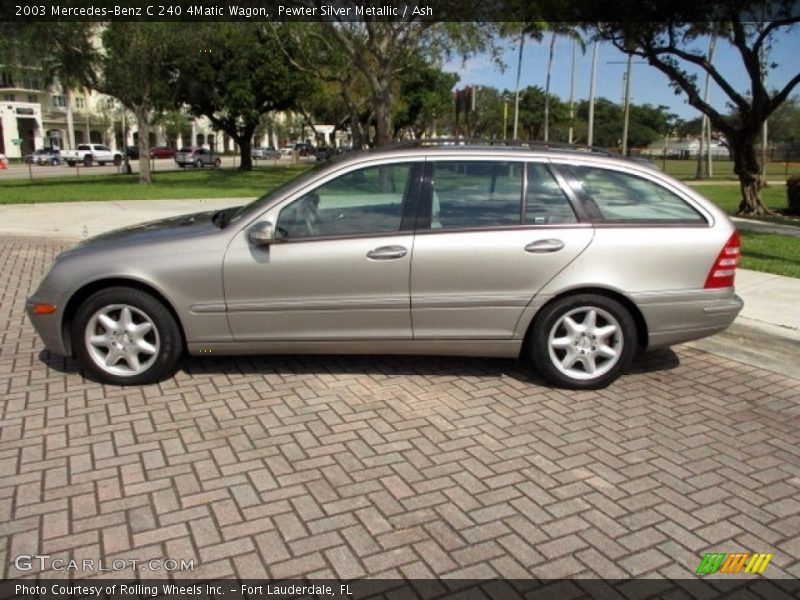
(162, 230)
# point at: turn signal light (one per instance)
(43, 309)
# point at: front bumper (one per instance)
(49, 327)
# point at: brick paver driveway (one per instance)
(391, 466)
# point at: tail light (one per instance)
(724, 268)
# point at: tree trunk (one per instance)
(747, 169)
(143, 119)
(382, 100)
(245, 142)
(547, 89)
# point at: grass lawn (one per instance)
(204, 183)
(728, 196)
(770, 253)
(723, 169)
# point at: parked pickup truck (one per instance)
(198, 157)
(88, 154)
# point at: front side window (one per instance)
(361, 202)
(624, 197)
(470, 194)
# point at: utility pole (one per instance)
(626, 99)
(627, 109)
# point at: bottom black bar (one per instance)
(399, 589)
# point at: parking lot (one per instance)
(378, 466)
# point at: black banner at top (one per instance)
(390, 10)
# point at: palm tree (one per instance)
(570, 31)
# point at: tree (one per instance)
(426, 94)
(242, 76)
(134, 66)
(316, 54)
(663, 35)
(381, 51)
(571, 32)
(536, 108)
(784, 124)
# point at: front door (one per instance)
(340, 266)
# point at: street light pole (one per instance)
(590, 135)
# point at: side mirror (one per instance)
(262, 234)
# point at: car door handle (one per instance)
(541, 246)
(387, 252)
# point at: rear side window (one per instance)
(470, 194)
(545, 201)
(623, 197)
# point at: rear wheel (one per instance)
(583, 341)
(125, 336)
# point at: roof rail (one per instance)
(522, 144)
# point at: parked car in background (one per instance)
(190, 156)
(304, 149)
(286, 150)
(44, 156)
(571, 258)
(162, 152)
(324, 152)
(88, 154)
(268, 153)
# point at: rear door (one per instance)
(490, 234)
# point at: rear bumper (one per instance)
(678, 317)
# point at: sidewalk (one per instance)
(770, 301)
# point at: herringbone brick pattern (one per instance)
(391, 466)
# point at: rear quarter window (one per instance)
(627, 198)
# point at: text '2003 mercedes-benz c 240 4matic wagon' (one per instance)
(574, 259)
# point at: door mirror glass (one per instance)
(262, 234)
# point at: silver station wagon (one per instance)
(572, 259)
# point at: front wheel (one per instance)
(125, 336)
(583, 341)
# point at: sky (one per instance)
(648, 85)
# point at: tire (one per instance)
(117, 160)
(217, 163)
(87, 160)
(146, 350)
(199, 164)
(572, 349)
